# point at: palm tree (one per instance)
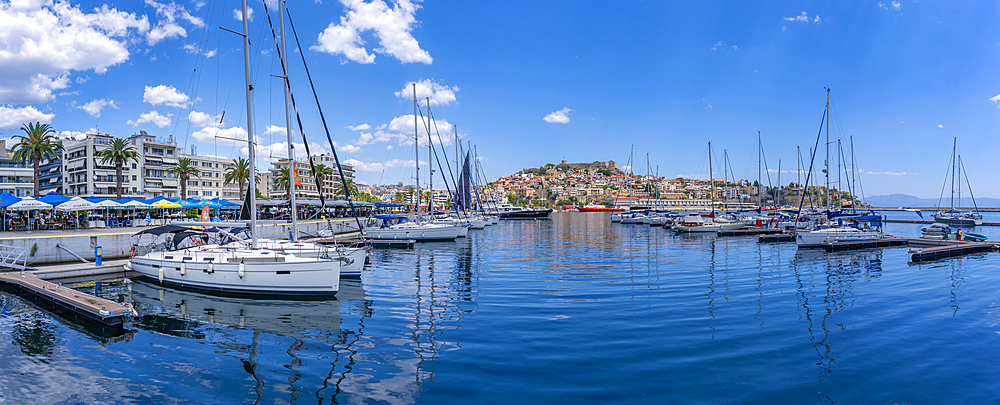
(281, 180)
(184, 170)
(118, 153)
(353, 189)
(239, 173)
(36, 145)
(322, 172)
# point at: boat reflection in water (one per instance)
(176, 312)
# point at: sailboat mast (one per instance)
(416, 145)
(777, 193)
(798, 173)
(827, 149)
(292, 172)
(760, 167)
(854, 172)
(711, 178)
(959, 168)
(839, 184)
(252, 188)
(458, 170)
(954, 145)
(725, 177)
(430, 160)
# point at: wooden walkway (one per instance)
(750, 231)
(937, 252)
(864, 244)
(78, 303)
(781, 237)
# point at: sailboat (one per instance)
(396, 227)
(699, 223)
(839, 227)
(952, 216)
(248, 269)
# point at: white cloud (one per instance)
(392, 26)
(895, 5)
(804, 17)
(166, 95)
(153, 117)
(377, 166)
(168, 26)
(13, 117)
(195, 49)
(43, 43)
(238, 14)
(94, 107)
(717, 46)
(204, 120)
(884, 173)
(558, 117)
(365, 127)
(996, 99)
(349, 148)
(439, 94)
(77, 135)
(940, 126)
(279, 150)
(222, 136)
(274, 129)
(403, 128)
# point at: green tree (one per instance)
(37, 144)
(118, 153)
(322, 173)
(353, 189)
(281, 180)
(184, 170)
(239, 173)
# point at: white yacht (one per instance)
(394, 227)
(863, 228)
(697, 223)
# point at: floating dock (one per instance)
(75, 302)
(781, 237)
(938, 252)
(928, 222)
(865, 244)
(750, 231)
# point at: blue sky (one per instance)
(666, 77)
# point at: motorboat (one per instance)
(508, 211)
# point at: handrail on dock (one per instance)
(11, 255)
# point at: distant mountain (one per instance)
(904, 200)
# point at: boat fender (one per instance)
(242, 270)
(161, 275)
(211, 268)
(128, 267)
(184, 268)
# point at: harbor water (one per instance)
(568, 310)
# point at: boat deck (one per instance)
(78, 303)
(780, 237)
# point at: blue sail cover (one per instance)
(463, 191)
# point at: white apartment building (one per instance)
(211, 181)
(85, 175)
(305, 187)
(15, 178)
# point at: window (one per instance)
(192, 182)
(134, 178)
(133, 165)
(193, 192)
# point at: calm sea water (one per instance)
(570, 310)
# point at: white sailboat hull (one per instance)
(420, 233)
(264, 272)
(837, 234)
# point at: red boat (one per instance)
(599, 208)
